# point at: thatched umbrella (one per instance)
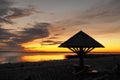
(81, 43)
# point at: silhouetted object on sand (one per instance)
(81, 43)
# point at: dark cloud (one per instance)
(57, 34)
(106, 11)
(50, 42)
(4, 7)
(39, 30)
(6, 39)
(12, 41)
(13, 46)
(5, 20)
(18, 13)
(10, 45)
(5, 34)
(7, 12)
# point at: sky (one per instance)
(42, 25)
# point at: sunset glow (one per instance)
(37, 47)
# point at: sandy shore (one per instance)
(53, 70)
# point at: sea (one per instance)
(15, 57)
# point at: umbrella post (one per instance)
(81, 54)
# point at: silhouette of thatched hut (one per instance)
(81, 43)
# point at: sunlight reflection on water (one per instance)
(13, 57)
(37, 58)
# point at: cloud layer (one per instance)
(51, 42)
(105, 11)
(12, 41)
(7, 12)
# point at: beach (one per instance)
(55, 69)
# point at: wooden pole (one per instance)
(81, 62)
(81, 58)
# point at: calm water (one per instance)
(13, 57)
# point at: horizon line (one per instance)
(54, 52)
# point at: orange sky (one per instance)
(108, 43)
(42, 25)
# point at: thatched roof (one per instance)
(81, 39)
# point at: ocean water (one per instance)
(14, 57)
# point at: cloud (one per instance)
(39, 30)
(7, 12)
(50, 42)
(5, 20)
(12, 41)
(5, 34)
(6, 42)
(106, 11)
(4, 8)
(18, 13)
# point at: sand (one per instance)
(59, 70)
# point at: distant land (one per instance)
(58, 52)
(95, 55)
